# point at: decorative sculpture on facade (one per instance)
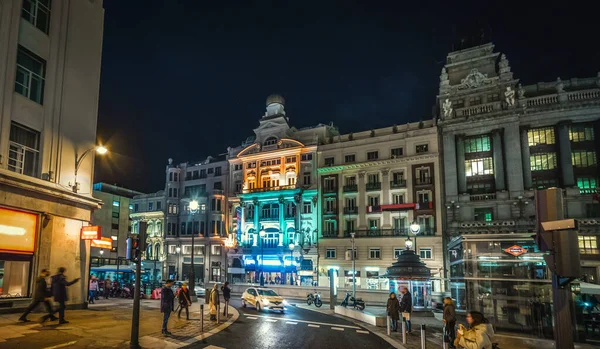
(447, 106)
(521, 91)
(560, 87)
(504, 66)
(509, 96)
(474, 79)
(444, 77)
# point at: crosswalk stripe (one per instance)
(311, 325)
(291, 323)
(251, 318)
(337, 328)
(271, 320)
(310, 322)
(361, 331)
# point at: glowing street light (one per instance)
(408, 243)
(100, 149)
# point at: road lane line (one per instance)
(271, 320)
(337, 328)
(311, 325)
(361, 331)
(291, 323)
(309, 322)
(61, 345)
(251, 318)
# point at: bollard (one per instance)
(444, 344)
(403, 331)
(201, 317)
(218, 313)
(422, 336)
(388, 325)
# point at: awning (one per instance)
(587, 288)
(113, 269)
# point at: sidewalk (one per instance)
(107, 324)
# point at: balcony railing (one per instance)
(330, 211)
(330, 189)
(401, 183)
(269, 218)
(350, 188)
(258, 190)
(424, 181)
(350, 210)
(367, 233)
(482, 197)
(329, 234)
(374, 186)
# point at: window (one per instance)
(115, 226)
(290, 159)
(270, 141)
(238, 186)
(397, 152)
(31, 71)
(330, 226)
(210, 170)
(541, 183)
(592, 210)
(459, 103)
(350, 225)
(218, 186)
(175, 192)
(329, 161)
(355, 253)
(374, 200)
(330, 205)
(588, 245)
(475, 100)
(422, 148)
(329, 184)
(398, 177)
(24, 150)
(150, 204)
(350, 180)
(237, 167)
(583, 158)
(351, 203)
(251, 164)
(581, 133)
(399, 224)
(542, 161)
(372, 155)
(373, 224)
(176, 177)
(349, 158)
(330, 253)
(586, 184)
(215, 250)
(192, 191)
(485, 214)
(538, 136)
(373, 178)
(37, 12)
(398, 199)
(479, 167)
(494, 97)
(306, 207)
(425, 253)
(195, 174)
(217, 171)
(115, 214)
(270, 162)
(306, 178)
(203, 173)
(375, 253)
(397, 252)
(130, 207)
(116, 203)
(477, 144)
(136, 207)
(423, 197)
(170, 192)
(306, 157)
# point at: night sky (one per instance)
(186, 79)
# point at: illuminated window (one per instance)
(539, 136)
(583, 158)
(116, 203)
(581, 133)
(29, 80)
(542, 161)
(479, 167)
(37, 12)
(477, 144)
(485, 214)
(587, 185)
(588, 245)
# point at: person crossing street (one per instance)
(41, 295)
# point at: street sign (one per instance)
(91, 232)
(515, 250)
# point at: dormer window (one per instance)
(270, 141)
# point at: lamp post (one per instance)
(408, 243)
(415, 228)
(291, 246)
(101, 255)
(79, 159)
(194, 207)
(178, 251)
(262, 233)
(353, 267)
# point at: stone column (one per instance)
(566, 164)
(362, 202)
(243, 222)
(281, 220)
(385, 200)
(256, 223)
(514, 161)
(525, 159)
(460, 165)
(498, 159)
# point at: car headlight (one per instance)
(285, 302)
(265, 301)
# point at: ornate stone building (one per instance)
(502, 140)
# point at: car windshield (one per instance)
(269, 293)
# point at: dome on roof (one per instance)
(275, 99)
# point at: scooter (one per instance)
(357, 303)
(314, 298)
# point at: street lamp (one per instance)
(353, 266)
(100, 149)
(194, 206)
(262, 233)
(291, 246)
(415, 228)
(177, 250)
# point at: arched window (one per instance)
(159, 230)
(149, 252)
(271, 141)
(156, 251)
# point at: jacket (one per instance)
(93, 285)
(214, 297)
(449, 313)
(478, 337)
(393, 308)
(167, 299)
(226, 292)
(41, 289)
(406, 303)
(184, 296)
(59, 287)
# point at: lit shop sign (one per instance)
(515, 250)
(106, 243)
(91, 232)
(17, 231)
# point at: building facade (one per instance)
(273, 198)
(374, 184)
(48, 110)
(502, 140)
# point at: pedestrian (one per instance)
(214, 302)
(449, 319)
(406, 307)
(167, 299)
(226, 296)
(41, 294)
(183, 294)
(93, 289)
(479, 335)
(107, 286)
(59, 292)
(393, 310)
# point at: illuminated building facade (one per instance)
(273, 198)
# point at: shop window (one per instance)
(425, 253)
(14, 282)
(374, 253)
(540, 136)
(330, 253)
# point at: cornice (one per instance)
(397, 161)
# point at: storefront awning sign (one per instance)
(515, 250)
(91, 232)
(17, 231)
(104, 242)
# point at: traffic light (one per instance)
(133, 248)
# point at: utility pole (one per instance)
(135, 320)
(353, 267)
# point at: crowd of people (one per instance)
(479, 334)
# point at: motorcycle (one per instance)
(314, 298)
(357, 303)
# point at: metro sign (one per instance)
(515, 250)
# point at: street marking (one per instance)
(337, 328)
(251, 318)
(291, 323)
(310, 322)
(361, 331)
(311, 325)
(271, 320)
(61, 345)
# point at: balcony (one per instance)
(330, 212)
(260, 190)
(425, 205)
(350, 210)
(329, 234)
(330, 189)
(350, 188)
(268, 218)
(482, 197)
(424, 181)
(218, 191)
(368, 233)
(373, 186)
(401, 183)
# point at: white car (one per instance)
(263, 298)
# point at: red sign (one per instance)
(91, 232)
(515, 250)
(105, 243)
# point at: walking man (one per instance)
(226, 295)
(41, 294)
(59, 291)
(167, 299)
(107, 286)
(406, 307)
(449, 321)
